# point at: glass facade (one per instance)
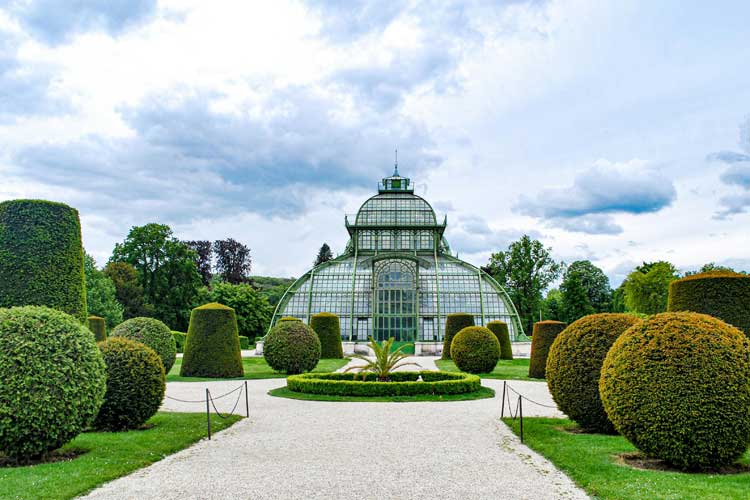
(397, 278)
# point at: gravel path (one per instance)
(291, 449)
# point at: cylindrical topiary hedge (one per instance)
(212, 347)
(53, 380)
(135, 384)
(500, 329)
(544, 334)
(475, 349)
(327, 326)
(292, 347)
(677, 386)
(723, 295)
(574, 365)
(98, 328)
(154, 334)
(454, 323)
(41, 257)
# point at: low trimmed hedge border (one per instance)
(402, 384)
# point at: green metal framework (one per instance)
(397, 277)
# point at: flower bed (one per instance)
(401, 384)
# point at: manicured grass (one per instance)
(255, 368)
(108, 456)
(591, 461)
(506, 369)
(283, 392)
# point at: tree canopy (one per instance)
(101, 296)
(324, 255)
(647, 287)
(233, 261)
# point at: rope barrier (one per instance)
(554, 407)
(210, 402)
(519, 406)
(216, 410)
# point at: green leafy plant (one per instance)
(386, 360)
(475, 349)
(292, 347)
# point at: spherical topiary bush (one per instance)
(212, 346)
(292, 347)
(153, 333)
(574, 364)
(475, 349)
(327, 326)
(454, 323)
(723, 295)
(500, 329)
(41, 256)
(98, 327)
(544, 334)
(53, 380)
(135, 384)
(677, 386)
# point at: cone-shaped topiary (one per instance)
(500, 329)
(723, 295)
(135, 384)
(53, 380)
(475, 349)
(292, 347)
(544, 334)
(326, 325)
(677, 386)
(98, 327)
(574, 364)
(153, 333)
(212, 347)
(41, 257)
(454, 323)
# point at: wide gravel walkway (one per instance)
(291, 449)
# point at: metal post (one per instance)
(502, 404)
(208, 415)
(247, 402)
(520, 412)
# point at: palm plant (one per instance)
(385, 361)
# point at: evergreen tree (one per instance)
(324, 255)
(128, 291)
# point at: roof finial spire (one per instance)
(395, 166)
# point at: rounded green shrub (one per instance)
(677, 386)
(135, 384)
(723, 295)
(98, 327)
(544, 334)
(454, 323)
(53, 380)
(244, 342)
(212, 347)
(153, 333)
(41, 257)
(475, 349)
(292, 347)
(574, 365)
(326, 325)
(500, 329)
(179, 340)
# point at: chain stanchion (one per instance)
(519, 406)
(520, 413)
(502, 405)
(208, 414)
(247, 402)
(210, 402)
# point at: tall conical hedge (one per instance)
(500, 329)
(545, 332)
(454, 323)
(328, 328)
(212, 347)
(41, 257)
(723, 295)
(98, 327)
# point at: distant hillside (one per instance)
(271, 288)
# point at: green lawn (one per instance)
(506, 369)
(255, 368)
(590, 460)
(108, 456)
(283, 392)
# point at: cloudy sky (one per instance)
(612, 131)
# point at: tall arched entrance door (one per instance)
(396, 301)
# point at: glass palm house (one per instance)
(397, 277)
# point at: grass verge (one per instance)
(283, 392)
(592, 461)
(506, 369)
(255, 368)
(108, 455)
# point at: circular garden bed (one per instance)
(417, 383)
